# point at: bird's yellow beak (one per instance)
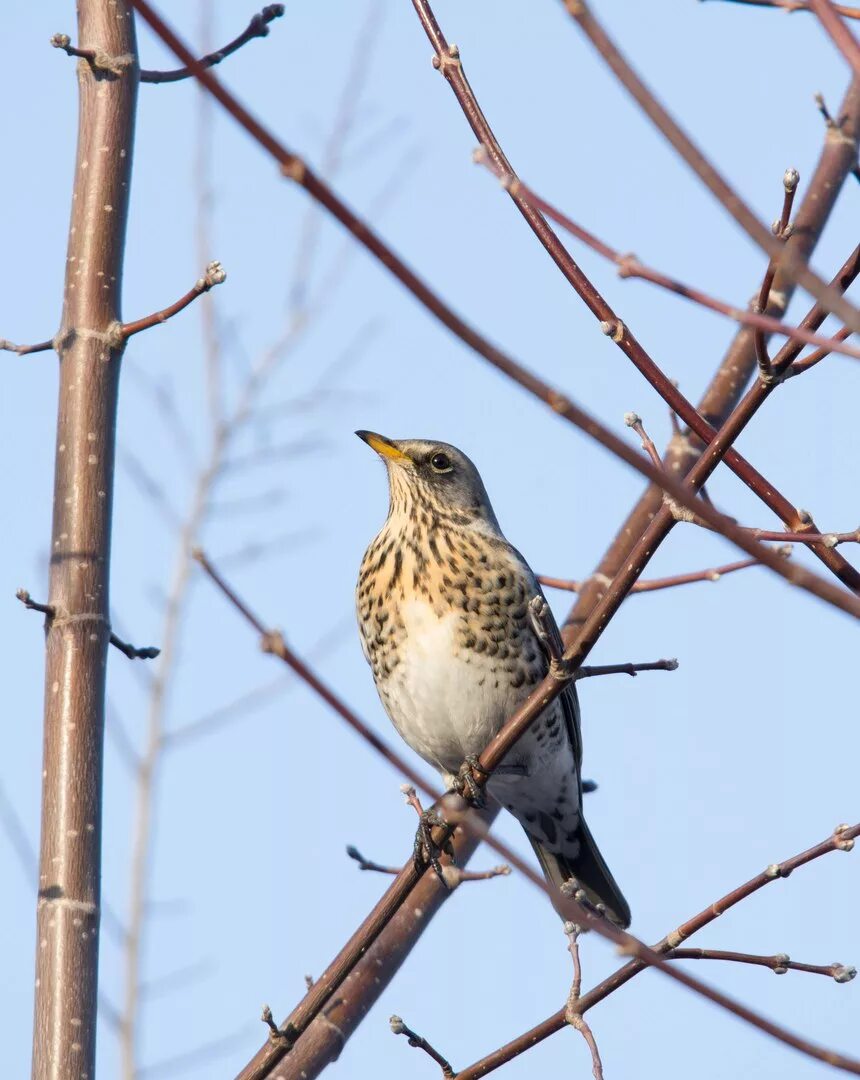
(384, 447)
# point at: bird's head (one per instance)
(433, 476)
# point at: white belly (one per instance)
(445, 701)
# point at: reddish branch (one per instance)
(790, 180)
(842, 839)
(629, 266)
(798, 5)
(786, 259)
(714, 573)
(24, 350)
(779, 964)
(214, 275)
(294, 168)
(399, 1028)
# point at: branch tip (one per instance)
(843, 973)
(398, 1027)
(790, 179)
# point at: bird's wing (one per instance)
(568, 698)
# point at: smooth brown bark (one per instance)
(78, 631)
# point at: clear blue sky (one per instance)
(744, 756)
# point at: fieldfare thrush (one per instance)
(443, 610)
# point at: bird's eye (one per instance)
(441, 463)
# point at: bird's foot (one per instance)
(466, 784)
(426, 850)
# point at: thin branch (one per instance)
(813, 358)
(779, 964)
(572, 1014)
(797, 5)
(797, 269)
(629, 266)
(625, 669)
(100, 60)
(454, 875)
(713, 573)
(148, 652)
(258, 27)
(418, 1041)
(842, 839)
(24, 350)
(790, 180)
(295, 168)
(213, 275)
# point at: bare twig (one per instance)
(813, 358)
(779, 964)
(713, 573)
(214, 275)
(24, 350)
(101, 61)
(258, 27)
(625, 669)
(797, 5)
(454, 875)
(399, 1028)
(148, 652)
(780, 229)
(572, 1014)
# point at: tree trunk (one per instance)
(78, 630)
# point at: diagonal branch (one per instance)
(798, 5)
(258, 27)
(713, 573)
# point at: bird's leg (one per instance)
(466, 785)
(425, 849)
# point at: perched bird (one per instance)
(443, 610)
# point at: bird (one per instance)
(443, 606)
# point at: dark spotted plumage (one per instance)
(443, 612)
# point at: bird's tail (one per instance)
(584, 863)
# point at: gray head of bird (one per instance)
(435, 477)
